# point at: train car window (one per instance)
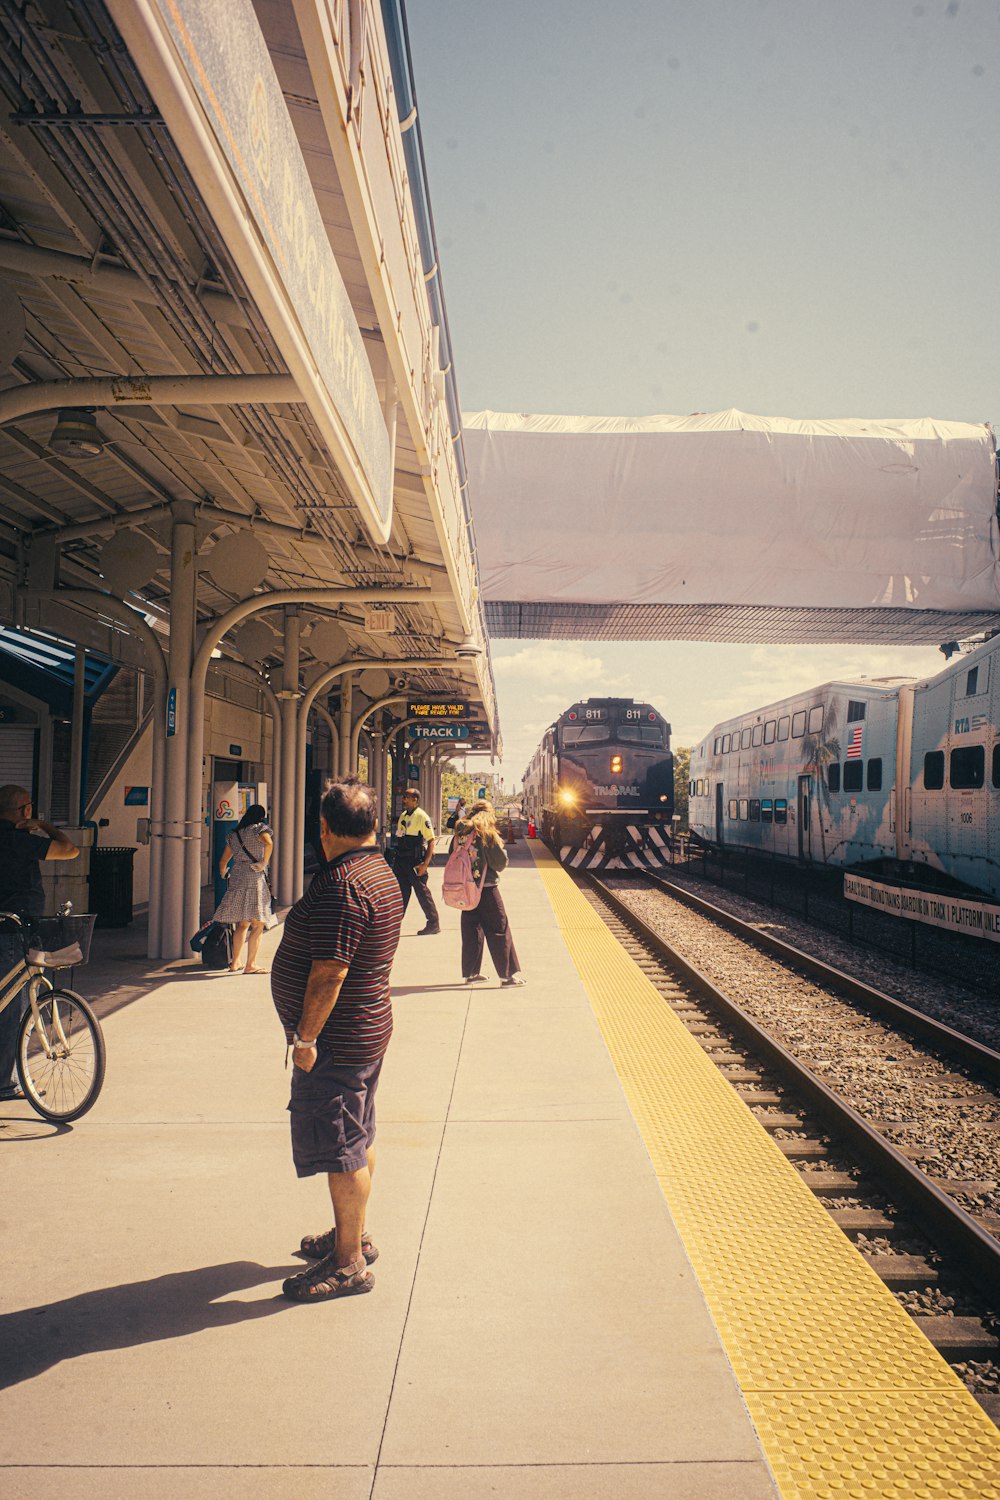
(718, 743)
(854, 775)
(783, 724)
(780, 810)
(643, 734)
(766, 810)
(855, 710)
(798, 724)
(702, 788)
(933, 770)
(972, 682)
(744, 809)
(733, 808)
(745, 739)
(757, 738)
(584, 734)
(874, 774)
(816, 718)
(996, 764)
(833, 777)
(967, 771)
(727, 740)
(755, 809)
(769, 731)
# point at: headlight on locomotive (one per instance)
(567, 798)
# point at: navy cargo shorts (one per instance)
(333, 1115)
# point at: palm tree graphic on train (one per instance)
(818, 752)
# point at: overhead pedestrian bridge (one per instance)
(729, 527)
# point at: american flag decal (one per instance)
(854, 743)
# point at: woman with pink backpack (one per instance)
(483, 915)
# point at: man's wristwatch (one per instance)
(298, 1041)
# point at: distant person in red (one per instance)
(330, 986)
(24, 842)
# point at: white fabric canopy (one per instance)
(728, 509)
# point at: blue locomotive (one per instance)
(600, 786)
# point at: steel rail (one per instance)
(943, 1219)
(963, 1048)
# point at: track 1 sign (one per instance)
(438, 731)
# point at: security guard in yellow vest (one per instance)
(411, 859)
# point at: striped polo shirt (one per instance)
(350, 915)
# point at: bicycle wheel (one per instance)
(61, 1062)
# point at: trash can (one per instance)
(111, 886)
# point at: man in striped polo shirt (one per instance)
(330, 986)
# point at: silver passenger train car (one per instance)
(888, 775)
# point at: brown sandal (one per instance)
(315, 1246)
(325, 1280)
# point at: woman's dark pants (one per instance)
(489, 921)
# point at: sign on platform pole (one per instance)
(438, 731)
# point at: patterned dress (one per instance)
(248, 897)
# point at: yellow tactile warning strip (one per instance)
(848, 1397)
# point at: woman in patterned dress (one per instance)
(247, 902)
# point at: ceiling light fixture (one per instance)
(76, 433)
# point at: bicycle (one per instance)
(60, 1046)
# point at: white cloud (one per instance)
(550, 662)
(693, 684)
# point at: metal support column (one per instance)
(377, 778)
(178, 832)
(424, 762)
(290, 833)
(348, 751)
(438, 774)
(75, 814)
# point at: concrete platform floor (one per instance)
(535, 1331)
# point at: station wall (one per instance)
(227, 723)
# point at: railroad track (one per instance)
(940, 1262)
(984, 1060)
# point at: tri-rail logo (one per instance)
(616, 791)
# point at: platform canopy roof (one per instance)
(728, 527)
(221, 194)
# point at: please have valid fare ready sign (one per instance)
(439, 731)
(436, 712)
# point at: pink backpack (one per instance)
(460, 888)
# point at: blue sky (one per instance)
(785, 206)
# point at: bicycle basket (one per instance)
(61, 942)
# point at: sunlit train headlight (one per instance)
(567, 798)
